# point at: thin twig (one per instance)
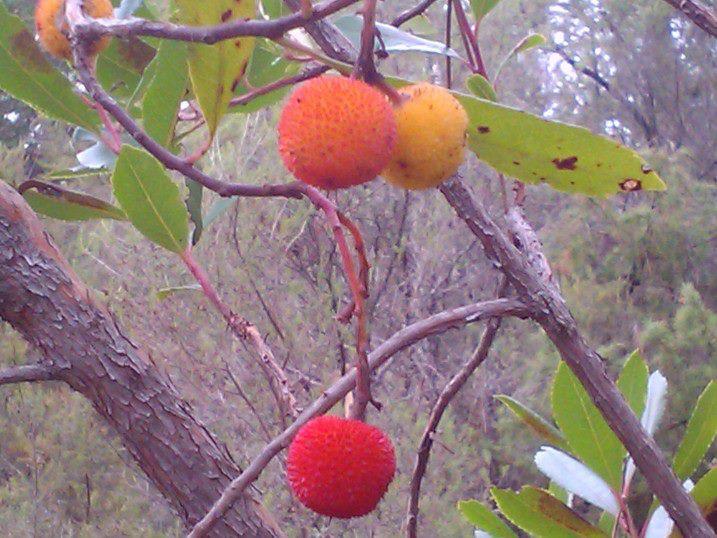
(365, 67)
(404, 338)
(448, 393)
(703, 16)
(415, 11)
(308, 73)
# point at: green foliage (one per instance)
(632, 382)
(536, 511)
(26, 74)
(121, 65)
(700, 433)
(479, 86)
(484, 519)
(534, 421)
(216, 70)
(150, 199)
(70, 205)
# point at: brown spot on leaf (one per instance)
(483, 129)
(598, 165)
(542, 178)
(226, 15)
(23, 47)
(646, 169)
(568, 163)
(135, 53)
(238, 43)
(516, 163)
(235, 84)
(631, 184)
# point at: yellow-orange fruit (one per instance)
(52, 28)
(431, 138)
(336, 132)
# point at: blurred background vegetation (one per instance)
(638, 271)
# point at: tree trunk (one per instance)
(82, 344)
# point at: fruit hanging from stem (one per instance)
(431, 138)
(340, 467)
(52, 28)
(336, 132)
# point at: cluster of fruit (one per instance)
(337, 132)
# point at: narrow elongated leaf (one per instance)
(163, 293)
(165, 91)
(483, 518)
(633, 382)
(528, 42)
(392, 39)
(700, 433)
(534, 421)
(655, 403)
(540, 514)
(27, 75)
(216, 70)
(150, 199)
(63, 204)
(479, 86)
(481, 8)
(586, 432)
(576, 478)
(194, 206)
(705, 494)
(566, 157)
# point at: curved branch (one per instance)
(446, 396)
(26, 374)
(436, 324)
(90, 29)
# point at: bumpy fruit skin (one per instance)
(52, 29)
(431, 138)
(340, 467)
(336, 132)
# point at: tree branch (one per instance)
(446, 396)
(26, 374)
(554, 316)
(703, 16)
(404, 338)
(90, 29)
(415, 11)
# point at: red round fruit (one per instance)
(340, 467)
(336, 132)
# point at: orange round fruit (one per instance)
(431, 138)
(336, 132)
(52, 28)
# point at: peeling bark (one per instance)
(83, 345)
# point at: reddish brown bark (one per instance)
(83, 345)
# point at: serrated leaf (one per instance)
(540, 514)
(700, 433)
(163, 293)
(27, 75)
(150, 199)
(585, 430)
(566, 157)
(576, 478)
(483, 518)
(482, 7)
(216, 70)
(479, 86)
(64, 204)
(392, 39)
(120, 66)
(165, 91)
(534, 421)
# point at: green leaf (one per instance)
(479, 86)
(163, 293)
(700, 432)
(534, 421)
(217, 209)
(27, 75)
(216, 70)
(566, 157)
(165, 91)
(540, 514)
(483, 518)
(194, 206)
(705, 491)
(528, 42)
(150, 199)
(64, 204)
(72, 174)
(120, 67)
(633, 382)
(481, 8)
(587, 433)
(392, 39)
